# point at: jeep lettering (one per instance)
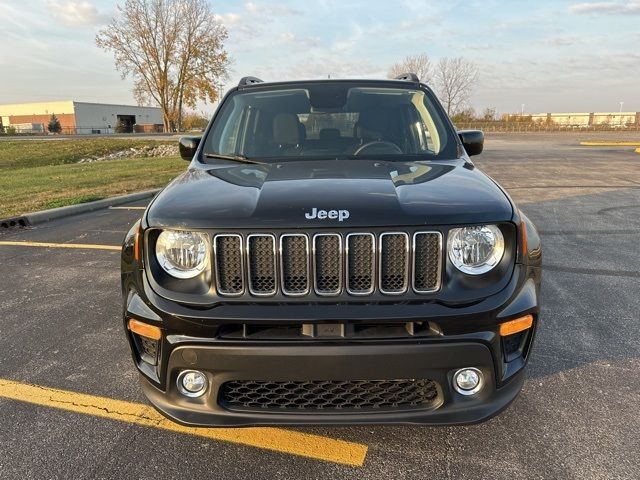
(331, 214)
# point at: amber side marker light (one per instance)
(516, 326)
(144, 330)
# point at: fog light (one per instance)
(192, 383)
(467, 381)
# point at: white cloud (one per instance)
(630, 7)
(76, 14)
(270, 9)
(562, 40)
(287, 37)
(228, 19)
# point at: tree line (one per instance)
(174, 52)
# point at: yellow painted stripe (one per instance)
(60, 245)
(611, 144)
(275, 439)
(638, 150)
(127, 208)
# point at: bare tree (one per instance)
(489, 113)
(418, 64)
(173, 50)
(454, 82)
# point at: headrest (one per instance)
(329, 134)
(286, 129)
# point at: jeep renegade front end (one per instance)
(331, 255)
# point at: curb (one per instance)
(43, 216)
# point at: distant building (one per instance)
(81, 117)
(588, 119)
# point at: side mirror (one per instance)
(188, 147)
(472, 140)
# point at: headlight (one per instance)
(182, 254)
(475, 250)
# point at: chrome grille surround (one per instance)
(393, 270)
(434, 269)
(356, 272)
(293, 282)
(261, 264)
(229, 281)
(327, 273)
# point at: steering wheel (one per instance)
(385, 147)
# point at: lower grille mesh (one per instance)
(328, 395)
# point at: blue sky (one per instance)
(550, 55)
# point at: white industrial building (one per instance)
(588, 119)
(80, 117)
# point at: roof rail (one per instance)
(244, 81)
(408, 77)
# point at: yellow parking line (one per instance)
(60, 245)
(127, 208)
(275, 439)
(610, 144)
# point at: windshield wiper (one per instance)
(233, 158)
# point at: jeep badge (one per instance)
(330, 214)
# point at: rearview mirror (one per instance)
(472, 140)
(188, 147)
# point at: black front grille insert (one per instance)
(328, 263)
(294, 252)
(329, 395)
(262, 264)
(360, 263)
(426, 267)
(394, 262)
(229, 265)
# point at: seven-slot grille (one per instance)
(327, 263)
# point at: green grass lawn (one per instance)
(35, 153)
(36, 175)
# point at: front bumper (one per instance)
(468, 338)
(437, 362)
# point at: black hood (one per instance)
(374, 193)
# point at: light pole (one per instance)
(621, 103)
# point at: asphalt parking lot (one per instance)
(577, 416)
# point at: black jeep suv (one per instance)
(331, 255)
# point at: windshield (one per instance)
(330, 120)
